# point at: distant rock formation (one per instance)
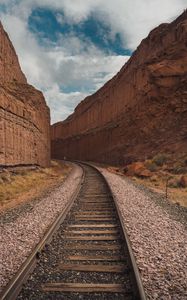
(24, 115)
(139, 112)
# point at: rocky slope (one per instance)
(24, 115)
(138, 113)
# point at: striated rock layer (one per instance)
(24, 115)
(139, 112)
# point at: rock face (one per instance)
(24, 115)
(139, 112)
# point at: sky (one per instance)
(69, 48)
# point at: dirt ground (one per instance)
(175, 195)
(158, 184)
(19, 185)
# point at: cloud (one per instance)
(72, 67)
(65, 66)
(57, 99)
(82, 73)
(132, 19)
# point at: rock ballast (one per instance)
(24, 115)
(138, 113)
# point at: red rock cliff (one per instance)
(24, 115)
(139, 112)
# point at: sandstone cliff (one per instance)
(139, 112)
(24, 115)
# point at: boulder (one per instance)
(138, 169)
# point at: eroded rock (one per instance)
(140, 112)
(24, 115)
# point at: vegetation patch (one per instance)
(160, 159)
(21, 184)
(168, 175)
(151, 166)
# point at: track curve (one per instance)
(89, 256)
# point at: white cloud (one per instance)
(72, 62)
(133, 19)
(58, 100)
(48, 69)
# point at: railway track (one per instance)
(89, 256)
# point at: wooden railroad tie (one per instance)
(95, 215)
(95, 202)
(93, 238)
(95, 212)
(95, 209)
(90, 196)
(92, 225)
(92, 247)
(113, 231)
(94, 268)
(83, 287)
(117, 258)
(95, 218)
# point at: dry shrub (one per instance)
(24, 180)
(5, 177)
(160, 159)
(180, 167)
(174, 183)
(151, 166)
(179, 170)
(22, 171)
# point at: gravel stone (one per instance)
(22, 229)
(158, 237)
(48, 270)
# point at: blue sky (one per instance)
(69, 49)
(46, 25)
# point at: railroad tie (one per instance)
(88, 225)
(93, 238)
(105, 258)
(112, 231)
(83, 287)
(118, 268)
(95, 213)
(95, 218)
(99, 247)
(90, 249)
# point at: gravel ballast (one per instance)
(61, 249)
(158, 240)
(20, 233)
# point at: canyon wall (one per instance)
(139, 112)
(24, 115)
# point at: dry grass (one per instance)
(21, 185)
(175, 195)
(163, 166)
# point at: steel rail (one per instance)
(13, 288)
(138, 285)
